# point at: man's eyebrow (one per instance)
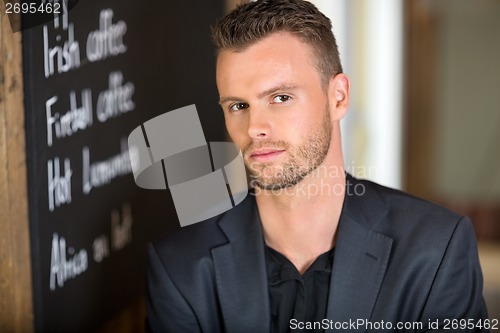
(229, 99)
(281, 87)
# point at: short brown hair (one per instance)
(250, 22)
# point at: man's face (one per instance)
(275, 109)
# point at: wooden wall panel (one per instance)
(16, 312)
(423, 30)
(420, 103)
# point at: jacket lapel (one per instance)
(360, 260)
(240, 271)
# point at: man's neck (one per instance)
(301, 221)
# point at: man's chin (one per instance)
(271, 187)
(274, 184)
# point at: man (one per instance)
(311, 248)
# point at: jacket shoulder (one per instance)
(406, 218)
(189, 242)
(194, 242)
(409, 207)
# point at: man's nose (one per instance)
(259, 124)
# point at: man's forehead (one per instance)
(285, 41)
(279, 61)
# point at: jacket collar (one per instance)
(360, 261)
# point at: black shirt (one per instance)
(303, 298)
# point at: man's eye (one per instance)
(238, 106)
(281, 99)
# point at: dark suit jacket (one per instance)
(397, 259)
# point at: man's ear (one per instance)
(339, 95)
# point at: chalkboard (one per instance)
(91, 77)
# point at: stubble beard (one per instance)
(301, 160)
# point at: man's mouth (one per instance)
(263, 155)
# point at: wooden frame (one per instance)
(16, 302)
